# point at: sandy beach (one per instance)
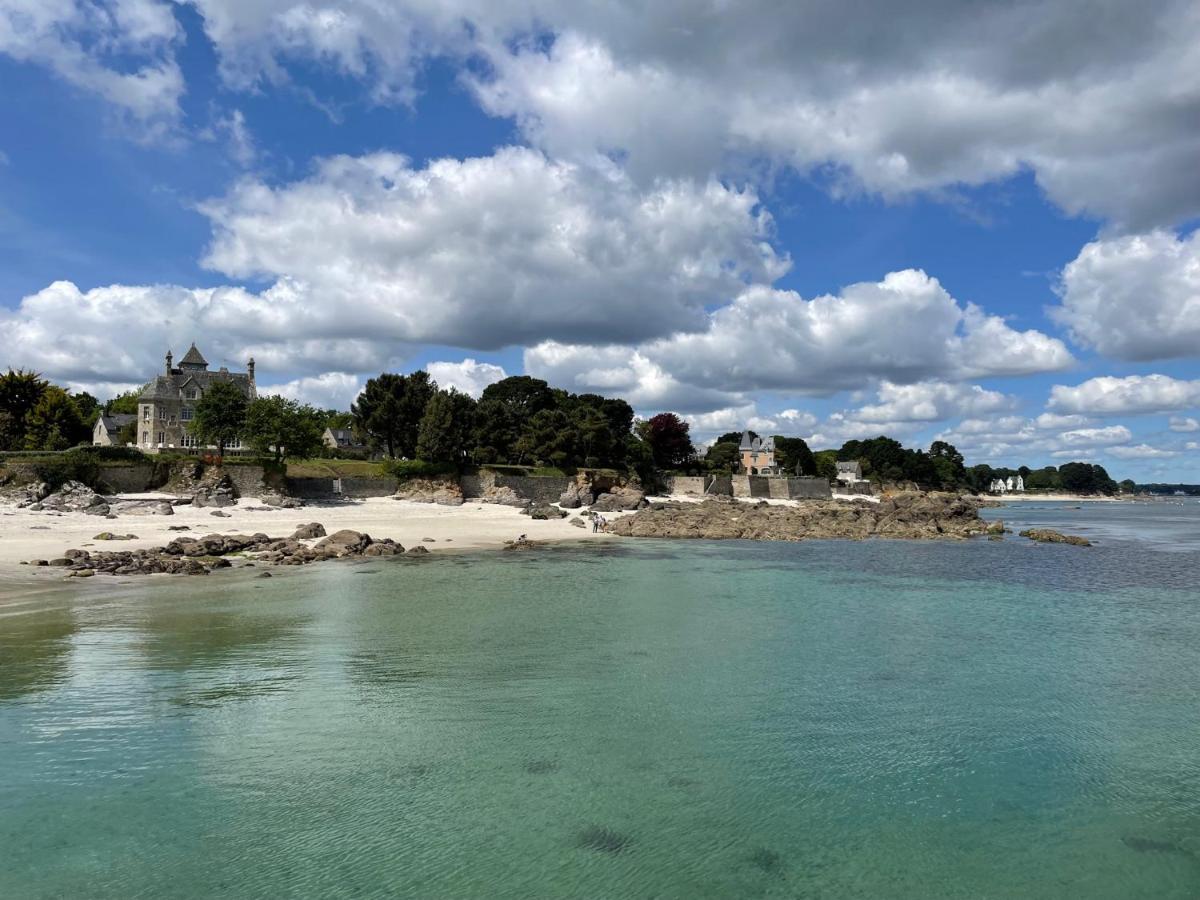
(27, 535)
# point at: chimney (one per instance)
(250, 368)
(169, 358)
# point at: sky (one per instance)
(965, 221)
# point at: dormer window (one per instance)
(190, 394)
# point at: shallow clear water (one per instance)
(649, 719)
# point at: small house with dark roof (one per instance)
(168, 403)
(758, 455)
(849, 471)
(343, 439)
(108, 428)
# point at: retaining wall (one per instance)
(688, 485)
(135, 478)
(331, 488)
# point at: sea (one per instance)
(642, 719)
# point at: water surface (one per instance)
(646, 719)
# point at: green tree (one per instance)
(505, 409)
(124, 403)
(734, 437)
(389, 411)
(723, 456)
(792, 455)
(445, 432)
(284, 428)
(54, 422)
(670, 443)
(220, 416)
(332, 418)
(89, 408)
(947, 464)
(825, 463)
(19, 393)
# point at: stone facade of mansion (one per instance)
(168, 403)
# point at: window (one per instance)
(145, 439)
(189, 440)
(235, 444)
(190, 393)
(145, 414)
(162, 437)
(185, 414)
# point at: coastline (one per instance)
(1054, 498)
(27, 535)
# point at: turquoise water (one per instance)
(648, 719)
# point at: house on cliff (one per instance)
(758, 455)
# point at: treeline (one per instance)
(1072, 477)
(38, 415)
(519, 420)
(1191, 490)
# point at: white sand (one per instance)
(27, 535)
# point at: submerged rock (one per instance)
(1048, 536)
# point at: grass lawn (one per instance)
(334, 468)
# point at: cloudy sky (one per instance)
(974, 221)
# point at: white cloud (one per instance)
(1109, 395)
(511, 248)
(1140, 451)
(1184, 424)
(1092, 437)
(1135, 297)
(1192, 445)
(468, 376)
(119, 50)
(330, 390)
(931, 401)
(903, 329)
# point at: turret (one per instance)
(169, 359)
(250, 368)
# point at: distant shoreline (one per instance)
(1054, 498)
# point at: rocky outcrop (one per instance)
(143, 507)
(279, 501)
(909, 515)
(25, 494)
(444, 492)
(620, 499)
(74, 496)
(1047, 536)
(576, 495)
(199, 556)
(219, 494)
(544, 511)
(309, 531)
(521, 543)
(503, 495)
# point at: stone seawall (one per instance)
(538, 488)
(332, 488)
(135, 478)
(748, 487)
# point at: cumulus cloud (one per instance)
(1134, 394)
(1184, 424)
(1015, 438)
(903, 329)
(1140, 451)
(90, 45)
(511, 248)
(329, 390)
(932, 401)
(1093, 437)
(1097, 102)
(468, 376)
(1135, 297)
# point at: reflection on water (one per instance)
(876, 719)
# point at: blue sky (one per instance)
(973, 221)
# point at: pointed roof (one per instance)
(193, 357)
(746, 443)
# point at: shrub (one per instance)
(417, 468)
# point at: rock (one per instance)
(428, 541)
(109, 536)
(345, 542)
(575, 496)
(144, 508)
(279, 501)
(995, 528)
(443, 491)
(83, 573)
(908, 515)
(1047, 536)
(220, 494)
(60, 562)
(503, 495)
(545, 512)
(418, 550)
(521, 543)
(219, 514)
(38, 562)
(75, 496)
(263, 575)
(311, 530)
(179, 528)
(578, 522)
(620, 499)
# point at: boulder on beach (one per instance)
(620, 499)
(311, 530)
(74, 496)
(442, 491)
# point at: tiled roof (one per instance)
(193, 358)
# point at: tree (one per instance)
(220, 416)
(123, 403)
(504, 411)
(332, 418)
(734, 437)
(1086, 478)
(825, 463)
(792, 455)
(1128, 486)
(947, 464)
(670, 444)
(722, 456)
(54, 422)
(444, 434)
(89, 408)
(19, 393)
(284, 428)
(389, 410)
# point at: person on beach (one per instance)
(595, 523)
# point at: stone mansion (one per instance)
(167, 404)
